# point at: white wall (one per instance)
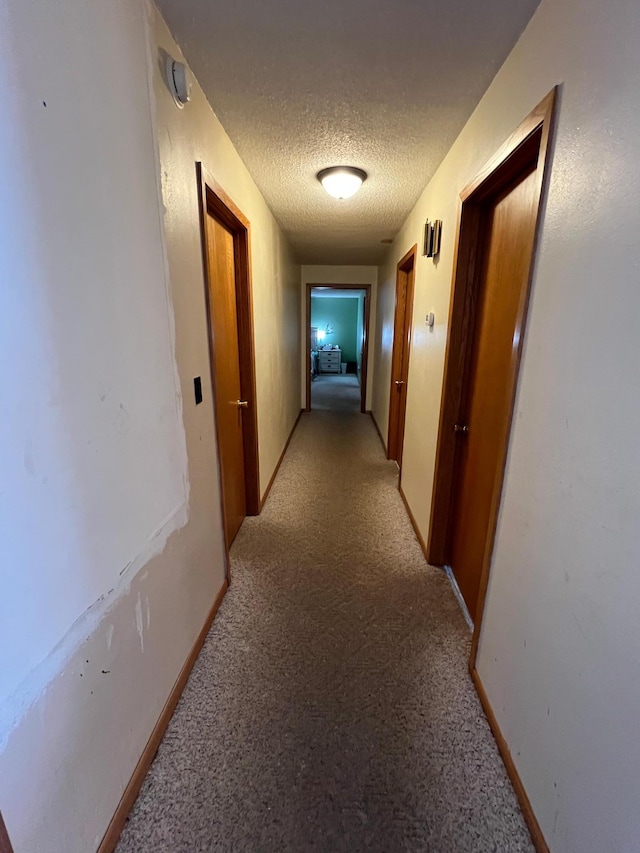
(560, 648)
(336, 274)
(88, 375)
(109, 503)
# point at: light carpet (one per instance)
(338, 393)
(331, 707)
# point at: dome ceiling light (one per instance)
(342, 181)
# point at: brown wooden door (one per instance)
(400, 358)
(508, 230)
(223, 317)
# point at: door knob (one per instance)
(461, 428)
(242, 404)
(399, 382)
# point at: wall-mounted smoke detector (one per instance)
(179, 82)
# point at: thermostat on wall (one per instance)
(179, 82)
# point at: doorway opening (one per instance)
(337, 346)
(402, 327)
(499, 223)
(225, 253)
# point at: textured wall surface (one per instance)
(560, 647)
(111, 528)
(378, 85)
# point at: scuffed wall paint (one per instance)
(37, 681)
(95, 402)
(139, 622)
(64, 768)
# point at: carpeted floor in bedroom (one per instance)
(331, 707)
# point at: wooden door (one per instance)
(223, 319)
(507, 231)
(495, 250)
(402, 326)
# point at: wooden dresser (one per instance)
(329, 360)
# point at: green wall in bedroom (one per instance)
(342, 315)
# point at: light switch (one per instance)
(197, 389)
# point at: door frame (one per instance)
(214, 201)
(529, 143)
(5, 841)
(407, 263)
(365, 349)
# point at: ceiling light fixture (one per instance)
(342, 181)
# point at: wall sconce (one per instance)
(179, 82)
(432, 234)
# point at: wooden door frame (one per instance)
(365, 351)
(213, 200)
(529, 143)
(407, 262)
(5, 841)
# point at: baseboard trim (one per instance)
(375, 423)
(414, 523)
(5, 841)
(459, 597)
(537, 837)
(277, 468)
(114, 830)
(532, 824)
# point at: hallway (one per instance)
(336, 393)
(331, 707)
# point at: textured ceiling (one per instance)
(385, 85)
